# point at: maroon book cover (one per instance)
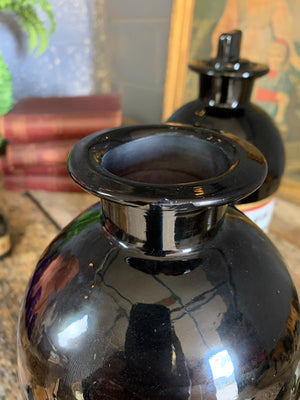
(54, 169)
(49, 153)
(44, 118)
(49, 183)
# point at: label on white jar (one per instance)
(260, 212)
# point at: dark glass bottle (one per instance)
(226, 84)
(161, 291)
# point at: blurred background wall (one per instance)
(137, 40)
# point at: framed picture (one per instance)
(270, 35)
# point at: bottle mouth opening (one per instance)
(166, 159)
(169, 165)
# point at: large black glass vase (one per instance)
(161, 290)
(225, 88)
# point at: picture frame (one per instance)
(181, 24)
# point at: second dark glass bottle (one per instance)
(226, 84)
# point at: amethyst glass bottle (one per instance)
(161, 290)
(226, 84)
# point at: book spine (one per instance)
(31, 128)
(47, 183)
(38, 154)
(59, 169)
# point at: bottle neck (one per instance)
(224, 92)
(159, 231)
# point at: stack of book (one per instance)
(40, 132)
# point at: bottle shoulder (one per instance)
(85, 247)
(241, 121)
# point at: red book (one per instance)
(43, 118)
(49, 183)
(59, 169)
(37, 154)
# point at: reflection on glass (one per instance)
(223, 375)
(188, 250)
(73, 331)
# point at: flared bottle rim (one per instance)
(167, 164)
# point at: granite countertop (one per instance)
(34, 220)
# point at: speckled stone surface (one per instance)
(34, 219)
(31, 231)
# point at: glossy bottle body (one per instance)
(102, 320)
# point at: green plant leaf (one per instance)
(6, 91)
(28, 14)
